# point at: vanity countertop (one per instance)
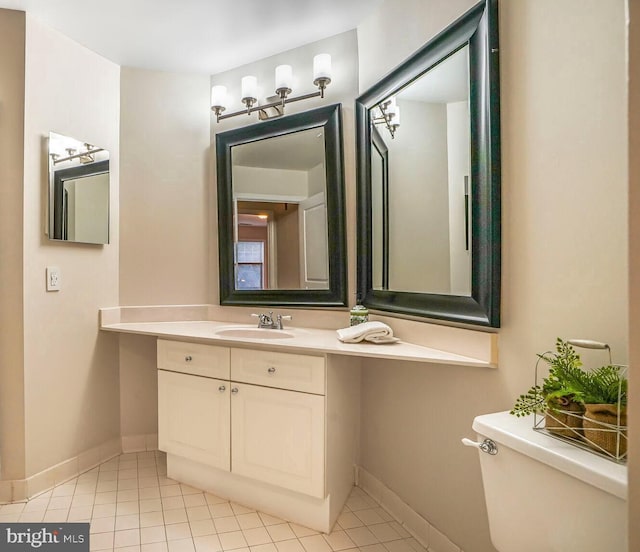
(305, 340)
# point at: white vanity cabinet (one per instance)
(276, 431)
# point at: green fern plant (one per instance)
(568, 383)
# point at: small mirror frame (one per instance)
(329, 118)
(479, 29)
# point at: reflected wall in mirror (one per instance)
(429, 179)
(78, 191)
(280, 230)
(281, 211)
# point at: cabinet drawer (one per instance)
(194, 358)
(281, 370)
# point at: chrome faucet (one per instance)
(267, 321)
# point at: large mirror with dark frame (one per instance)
(78, 191)
(428, 163)
(281, 211)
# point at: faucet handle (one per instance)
(279, 320)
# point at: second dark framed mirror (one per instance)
(281, 211)
(428, 170)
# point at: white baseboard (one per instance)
(18, 490)
(425, 533)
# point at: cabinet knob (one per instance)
(234, 390)
(222, 388)
(188, 358)
(271, 370)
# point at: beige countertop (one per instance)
(303, 340)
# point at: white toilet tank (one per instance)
(546, 495)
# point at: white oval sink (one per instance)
(254, 333)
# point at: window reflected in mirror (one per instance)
(280, 212)
(420, 167)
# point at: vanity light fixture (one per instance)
(283, 89)
(389, 115)
(87, 156)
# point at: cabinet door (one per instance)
(278, 437)
(193, 418)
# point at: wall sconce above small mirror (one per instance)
(428, 139)
(281, 211)
(78, 191)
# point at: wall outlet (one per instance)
(54, 278)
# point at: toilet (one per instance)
(547, 495)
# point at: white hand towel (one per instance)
(373, 332)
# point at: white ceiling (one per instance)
(199, 36)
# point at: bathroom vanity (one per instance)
(274, 430)
(266, 418)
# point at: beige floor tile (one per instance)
(150, 505)
(233, 540)
(369, 516)
(178, 531)
(339, 540)
(127, 508)
(80, 513)
(194, 499)
(130, 521)
(202, 528)
(214, 499)
(226, 524)
(179, 515)
(302, 531)
(152, 534)
(256, 536)
(240, 509)
(207, 543)
(52, 515)
(32, 517)
(361, 536)
(315, 543)
(149, 482)
(270, 520)
(106, 486)
(55, 503)
(188, 490)
(64, 490)
(399, 546)
(281, 532)
(270, 547)
(220, 510)
(348, 520)
(101, 541)
(135, 548)
(249, 521)
(183, 545)
(149, 519)
(289, 546)
(373, 548)
(128, 537)
(198, 513)
(127, 495)
(155, 547)
(400, 529)
(83, 500)
(170, 490)
(172, 502)
(124, 484)
(105, 497)
(102, 525)
(384, 532)
(35, 505)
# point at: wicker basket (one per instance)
(604, 429)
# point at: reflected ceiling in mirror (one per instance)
(78, 191)
(425, 131)
(280, 230)
(281, 211)
(428, 164)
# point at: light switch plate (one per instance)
(54, 278)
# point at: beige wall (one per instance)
(70, 368)
(12, 30)
(564, 269)
(164, 141)
(419, 213)
(634, 269)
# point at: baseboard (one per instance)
(139, 443)
(425, 533)
(18, 490)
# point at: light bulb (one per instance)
(218, 96)
(284, 77)
(249, 87)
(322, 67)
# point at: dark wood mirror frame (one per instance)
(479, 29)
(329, 118)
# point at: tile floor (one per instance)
(132, 506)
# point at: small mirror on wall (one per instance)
(78, 191)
